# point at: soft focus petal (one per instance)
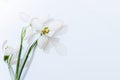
(49, 44)
(59, 47)
(61, 31)
(30, 36)
(38, 23)
(9, 50)
(54, 25)
(47, 48)
(43, 42)
(4, 45)
(29, 33)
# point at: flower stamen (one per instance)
(45, 31)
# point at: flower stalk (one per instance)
(26, 58)
(19, 55)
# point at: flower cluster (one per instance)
(42, 33)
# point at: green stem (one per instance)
(20, 51)
(18, 61)
(26, 58)
(11, 71)
(30, 61)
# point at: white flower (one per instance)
(48, 31)
(10, 54)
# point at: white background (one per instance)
(92, 39)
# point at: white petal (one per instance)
(4, 45)
(49, 44)
(29, 32)
(38, 23)
(61, 31)
(9, 50)
(43, 42)
(47, 48)
(30, 36)
(14, 57)
(54, 26)
(59, 47)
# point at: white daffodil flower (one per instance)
(48, 30)
(10, 54)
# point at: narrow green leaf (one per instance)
(20, 51)
(26, 58)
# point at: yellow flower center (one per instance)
(45, 31)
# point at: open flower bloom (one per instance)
(49, 31)
(10, 54)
